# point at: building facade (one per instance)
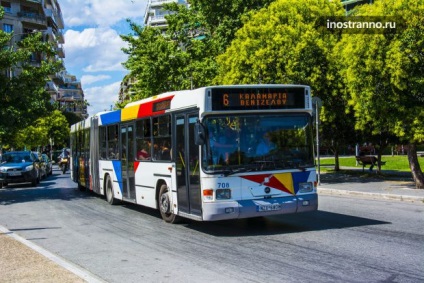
(23, 17)
(155, 13)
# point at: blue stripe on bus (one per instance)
(111, 117)
(118, 171)
(299, 177)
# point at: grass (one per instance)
(397, 162)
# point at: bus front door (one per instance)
(187, 161)
(127, 162)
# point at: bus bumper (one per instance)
(259, 207)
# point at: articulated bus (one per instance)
(213, 153)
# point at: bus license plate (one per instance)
(269, 207)
(15, 173)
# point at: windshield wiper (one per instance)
(229, 172)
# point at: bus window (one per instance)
(143, 140)
(103, 143)
(162, 137)
(112, 135)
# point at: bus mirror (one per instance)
(199, 134)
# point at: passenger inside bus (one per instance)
(143, 151)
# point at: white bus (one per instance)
(213, 153)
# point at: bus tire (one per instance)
(109, 192)
(164, 204)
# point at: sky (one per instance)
(93, 45)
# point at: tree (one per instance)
(185, 57)
(53, 127)
(287, 42)
(151, 60)
(23, 97)
(227, 17)
(383, 72)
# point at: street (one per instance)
(347, 240)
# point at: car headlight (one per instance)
(306, 187)
(28, 168)
(3, 169)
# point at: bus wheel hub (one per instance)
(164, 203)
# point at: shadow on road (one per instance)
(282, 224)
(48, 188)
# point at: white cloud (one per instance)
(89, 79)
(104, 13)
(102, 98)
(95, 49)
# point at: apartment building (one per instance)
(155, 13)
(70, 96)
(350, 4)
(23, 17)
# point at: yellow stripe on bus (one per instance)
(129, 113)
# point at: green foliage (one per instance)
(384, 72)
(288, 43)
(55, 127)
(283, 43)
(184, 57)
(23, 98)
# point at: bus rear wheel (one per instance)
(164, 203)
(109, 192)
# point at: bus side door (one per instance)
(187, 163)
(127, 157)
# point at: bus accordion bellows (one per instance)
(213, 153)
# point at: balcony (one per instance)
(31, 17)
(60, 52)
(157, 20)
(160, 3)
(59, 19)
(58, 78)
(59, 36)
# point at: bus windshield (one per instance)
(257, 143)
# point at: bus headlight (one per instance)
(306, 187)
(223, 193)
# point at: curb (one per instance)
(327, 191)
(80, 272)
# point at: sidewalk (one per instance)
(23, 261)
(393, 185)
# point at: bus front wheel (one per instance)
(109, 192)
(165, 205)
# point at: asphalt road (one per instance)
(347, 240)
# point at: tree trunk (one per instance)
(414, 165)
(336, 160)
(380, 152)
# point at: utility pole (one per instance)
(317, 103)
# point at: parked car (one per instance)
(19, 167)
(47, 163)
(42, 166)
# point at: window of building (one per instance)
(6, 6)
(7, 28)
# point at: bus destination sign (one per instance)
(258, 98)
